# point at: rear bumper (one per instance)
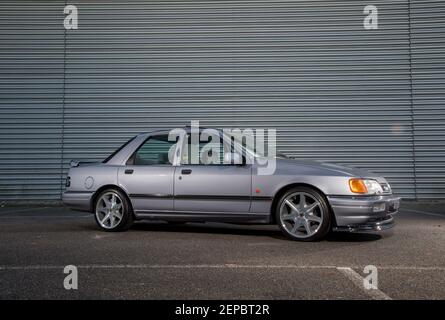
(77, 200)
(365, 213)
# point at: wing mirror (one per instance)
(74, 163)
(234, 158)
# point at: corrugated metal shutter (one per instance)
(31, 95)
(333, 90)
(428, 69)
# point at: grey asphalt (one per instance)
(154, 260)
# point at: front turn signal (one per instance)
(357, 186)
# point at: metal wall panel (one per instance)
(333, 90)
(428, 70)
(31, 96)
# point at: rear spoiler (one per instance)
(75, 163)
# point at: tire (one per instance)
(113, 217)
(309, 220)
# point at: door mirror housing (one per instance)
(234, 159)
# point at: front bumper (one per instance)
(364, 213)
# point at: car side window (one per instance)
(209, 152)
(157, 150)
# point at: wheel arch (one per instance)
(105, 187)
(289, 186)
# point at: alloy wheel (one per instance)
(301, 214)
(109, 210)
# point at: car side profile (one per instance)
(152, 177)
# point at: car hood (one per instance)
(328, 168)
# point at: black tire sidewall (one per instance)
(127, 217)
(326, 224)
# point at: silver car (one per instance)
(151, 177)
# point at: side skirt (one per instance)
(190, 216)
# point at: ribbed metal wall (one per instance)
(428, 70)
(31, 99)
(333, 90)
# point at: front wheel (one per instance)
(303, 214)
(113, 211)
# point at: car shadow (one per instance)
(352, 237)
(248, 230)
(206, 228)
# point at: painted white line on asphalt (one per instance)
(253, 244)
(424, 212)
(166, 266)
(403, 268)
(213, 266)
(357, 279)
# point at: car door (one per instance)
(148, 175)
(211, 187)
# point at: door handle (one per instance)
(129, 171)
(186, 171)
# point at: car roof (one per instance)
(187, 129)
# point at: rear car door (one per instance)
(148, 175)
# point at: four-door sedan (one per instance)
(151, 177)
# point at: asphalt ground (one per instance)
(155, 260)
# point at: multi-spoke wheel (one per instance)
(113, 212)
(303, 214)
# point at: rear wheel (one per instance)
(303, 214)
(113, 211)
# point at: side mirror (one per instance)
(234, 158)
(74, 163)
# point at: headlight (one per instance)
(365, 186)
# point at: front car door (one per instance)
(148, 175)
(207, 186)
